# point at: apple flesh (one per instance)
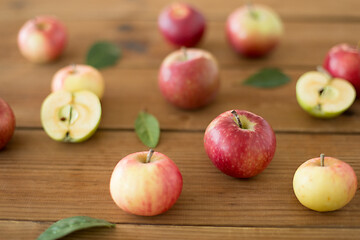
(42, 39)
(240, 143)
(189, 79)
(182, 25)
(78, 77)
(343, 61)
(146, 184)
(322, 96)
(7, 123)
(71, 117)
(254, 30)
(324, 185)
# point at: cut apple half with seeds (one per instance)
(323, 96)
(71, 117)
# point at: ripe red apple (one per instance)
(254, 30)
(42, 39)
(146, 184)
(7, 123)
(181, 24)
(78, 77)
(240, 143)
(189, 78)
(343, 61)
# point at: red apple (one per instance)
(182, 24)
(240, 143)
(42, 39)
(146, 184)
(78, 77)
(254, 30)
(343, 61)
(7, 123)
(189, 78)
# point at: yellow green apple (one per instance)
(324, 184)
(323, 96)
(71, 116)
(78, 77)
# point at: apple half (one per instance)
(71, 117)
(323, 96)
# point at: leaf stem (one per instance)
(148, 158)
(237, 118)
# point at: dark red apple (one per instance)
(189, 79)
(343, 61)
(7, 123)
(182, 24)
(254, 30)
(240, 143)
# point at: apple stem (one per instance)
(322, 159)
(73, 65)
(323, 70)
(250, 7)
(148, 158)
(237, 118)
(183, 49)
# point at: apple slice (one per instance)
(322, 96)
(71, 117)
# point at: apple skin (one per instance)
(343, 61)
(78, 77)
(254, 36)
(181, 24)
(145, 189)
(7, 123)
(326, 188)
(237, 152)
(192, 82)
(42, 39)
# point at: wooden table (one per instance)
(42, 181)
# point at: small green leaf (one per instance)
(103, 54)
(66, 226)
(147, 128)
(267, 78)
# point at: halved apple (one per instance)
(71, 117)
(323, 96)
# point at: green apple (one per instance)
(323, 96)
(71, 116)
(324, 184)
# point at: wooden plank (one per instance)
(24, 230)
(304, 44)
(149, 10)
(129, 91)
(43, 180)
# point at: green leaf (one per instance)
(267, 78)
(103, 54)
(66, 226)
(147, 128)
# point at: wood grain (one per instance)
(148, 10)
(43, 180)
(30, 230)
(129, 91)
(304, 44)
